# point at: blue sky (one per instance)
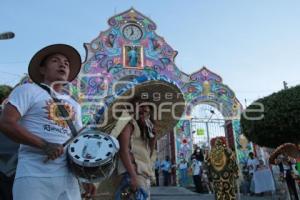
(253, 44)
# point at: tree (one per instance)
(280, 122)
(4, 92)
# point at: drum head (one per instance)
(92, 155)
(92, 150)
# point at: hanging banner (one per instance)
(242, 145)
(200, 131)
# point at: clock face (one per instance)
(132, 32)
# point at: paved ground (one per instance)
(179, 193)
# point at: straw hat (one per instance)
(288, 149)
(163, 96)
(70, 52)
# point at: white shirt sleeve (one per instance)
(22, 98)
(256, 162)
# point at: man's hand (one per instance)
(52, 150)
(133, 183)
(89, 190)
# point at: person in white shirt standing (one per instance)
(197, 171)
(252, 165)
(183, 170)
(31, 118)
(166, 170)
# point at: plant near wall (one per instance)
(4, 92)
(280, 122)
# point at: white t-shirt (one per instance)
(165, 165)
(252, 165)
(183, 165)
(39, 116)
(196, 167)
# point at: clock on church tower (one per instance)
(132, 32)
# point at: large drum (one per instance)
(92, 156)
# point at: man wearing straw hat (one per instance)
(152, 110)
(31, 118)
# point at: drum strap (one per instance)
(61, 109)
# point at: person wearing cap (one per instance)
(31, 118)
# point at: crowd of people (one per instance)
(191, 167)
(279, 178)
(257, 178)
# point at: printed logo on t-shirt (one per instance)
(54, 114)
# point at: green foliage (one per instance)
(4, 92)
(280, 122)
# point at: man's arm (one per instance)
(124, 140)
(11, 128)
